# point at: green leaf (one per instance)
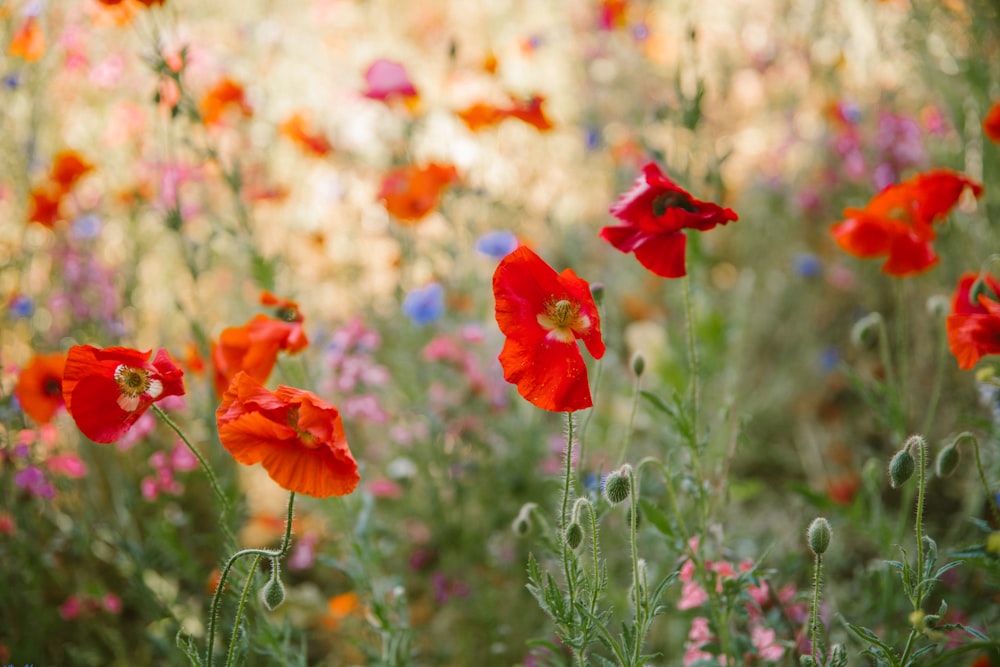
(186, 644)
(659, 520)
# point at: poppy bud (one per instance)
(901, 467)
(597, 291)
(522, 522)
(617, 483)
(573, 535)
(818, 535)
(977, 289)
(865, 331)
(938, 306)
(947, 460)
(273, 592)
(638, 364)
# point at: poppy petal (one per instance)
(664, 255)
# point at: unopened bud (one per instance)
(597, 291)
(947, 460)
(938, 306)
(273, 593)
(977, 289)
(865, 331)
(574, 535)
(617, 484)
(901, 467)
(818, 535)
(522, 522)
(638, 364)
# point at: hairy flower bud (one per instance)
(818, 535)
(901, 468)
(947, 460)
(617, 484)
(866, 330)
(522, 522)
(573, 535)
(273, 592)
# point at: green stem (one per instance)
(239, 611)
(942, 354)
(194, 450)
(636, 584)
(631, 421)
(814, 616)
(564, 549)
(991, 501)
(269, 553)
(919, 523)
(692, 353)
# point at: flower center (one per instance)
(672, 199)
(133, 383)
(562, 319)
(307, 438)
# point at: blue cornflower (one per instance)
(425, 304)
(497, 244)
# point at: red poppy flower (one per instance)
(296, 436)
(655, 213)
(39, 387)
(991, 123)
(45, 206)
(974, 324)
(254, 347)
(226, 94)
(28, 41)
(411, 192)
(898, 222)
(542, 314)
(67, 168)
(107, 390)
(297, 129)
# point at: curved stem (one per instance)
(239, 610)
(198, 455)
(270, 553)
(991, 501)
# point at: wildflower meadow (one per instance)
(466, 333)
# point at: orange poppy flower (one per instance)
(411, 192)
(974, 323)
(898, 222)
(39, 386)
(29, 41)
(991, 123)
(296, 436)
(542, 314)
(340, 607)
(530, 111)
(482, 115)
(225, 95)
(107, 390)
(67, 168)
(297, 129)
(254, 347)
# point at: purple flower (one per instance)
(32, 480)
(425, 304)
(497, 244)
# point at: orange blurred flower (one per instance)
(297, 437)
(483, 115)
(991, 123)
(974, 323)
(68, 167)
(44, 207)
(29, 41)
(411, 192)
(254, 347)
(297, 129)
(39, 386)
(225, 95)
(340, 607)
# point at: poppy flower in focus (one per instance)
(543, 314)
(297, 129)
(991, 123)
(974, 323)
(28, 41)
(388, 80)
(39, 386)
(296, 436)
(225, 95)
(898, 222)
(254, 347)
(655, 212)
(411, 192)
(107, 390)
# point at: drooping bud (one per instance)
(947, 460)
(638, 364)
(273, 592)
(901, 467)
(865, 331)
(818, 535)
(522, 522)
(977, 289)
(573, 535)
(617, 484)
(597, 291)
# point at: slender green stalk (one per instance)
(902, 328)
(919, 522)
(239, 611)
(637, 591)
(814, 638)
(966, 435)
(631, 420)
(269, 553)
(692, 352)
(194, 450)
